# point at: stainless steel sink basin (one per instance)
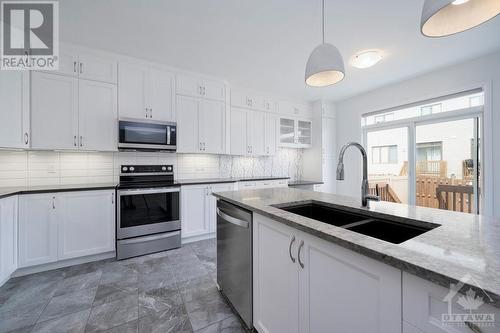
(389, 231)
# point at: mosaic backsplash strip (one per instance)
(21, 168)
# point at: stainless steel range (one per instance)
(147, 218)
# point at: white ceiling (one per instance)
(264, 44)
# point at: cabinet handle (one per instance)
(81, 68)
(147, 115)
(81, 140)
(150, 112)
(112, 198)
(290, 249)
(53, 202)
(74, 67)
(74, 141)
(473, 327)
(298, 254)
(204, 90)
(26, 138)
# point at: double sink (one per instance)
(389, 231)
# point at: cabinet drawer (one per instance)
(247, 185)
(424, 304)
(265, 183)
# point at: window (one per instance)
(385, 154)
(384, 117)
(430, 109)
(476, 100)
(430, 151)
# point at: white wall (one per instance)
(464, 76)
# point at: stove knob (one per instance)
(124, 169)
(132, 169)
(169, 168)
(163, 168)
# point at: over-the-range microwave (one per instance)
(149, 135)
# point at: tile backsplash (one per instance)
(32, 168)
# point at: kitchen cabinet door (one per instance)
(257, 132)
(213, 126)
(329, 281)
(275, 277)
(14, 109)
(37, 229)
(193, 210)
(239, 134)
(86, 223)
(188, 86)
(97, 68)
(188, 128)
(97, 116)
(8, 237)
(132, 87)
(54, 111)
(270, 134)
(214, 90)
(161, 85)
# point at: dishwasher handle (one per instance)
(232, 220)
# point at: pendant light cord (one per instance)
(323, 20)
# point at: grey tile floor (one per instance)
(172, 291)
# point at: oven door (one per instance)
(147, 135)
(147, 211)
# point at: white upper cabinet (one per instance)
(54, 111)
(68, 113)
(97, 116)
(295, 133)
(239, 131)
(85, 223)
(251, 132)
(212, 126)
(256, 132)
(188, 128)
(145, 92)
(298, 110)
(14, 109)
(244, 99)
(197, 87)
(270, 134)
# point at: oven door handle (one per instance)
(149, 238)
(232, 220)
(148, 191)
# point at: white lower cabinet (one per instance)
(8, 237)
(305, 284)
(198, 208)
(85, 223)
(425, 303)
(57, 226)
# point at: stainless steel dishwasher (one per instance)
(234, 258)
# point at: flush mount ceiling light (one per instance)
(325, 65)
(447, 17)
(365, 59)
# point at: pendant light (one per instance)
(447, 17)
(325, 65)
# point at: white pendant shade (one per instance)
(325, 66)
(447, 17)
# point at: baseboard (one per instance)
(63, 263)
(192, 239)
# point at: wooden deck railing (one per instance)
(427, 168)
(458, 198)
(385, 192)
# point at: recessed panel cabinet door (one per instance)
(270, 138)
(239, 134)
(14, 109)
(98, 68)
(212, 126)
(37, 229)
(86, 223)
(343, 291)
(214, 90)
(188, 113)
(161, 94)
(132, 84)
(8, 237)
(54, 111)
(257, 129)
(97, 116)
(275, 278)
(193, 210)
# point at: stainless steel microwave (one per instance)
(150, 135)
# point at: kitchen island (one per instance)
(393, 287)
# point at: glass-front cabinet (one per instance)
(295, 133)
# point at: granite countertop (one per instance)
(304, 182)
(195, 181)
(8, 191)
(462, 243)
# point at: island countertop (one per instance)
(462, 243)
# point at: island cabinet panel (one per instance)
(425, 303)
(308, 285)
(275, 277)
(8, 237)
(345, 290)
